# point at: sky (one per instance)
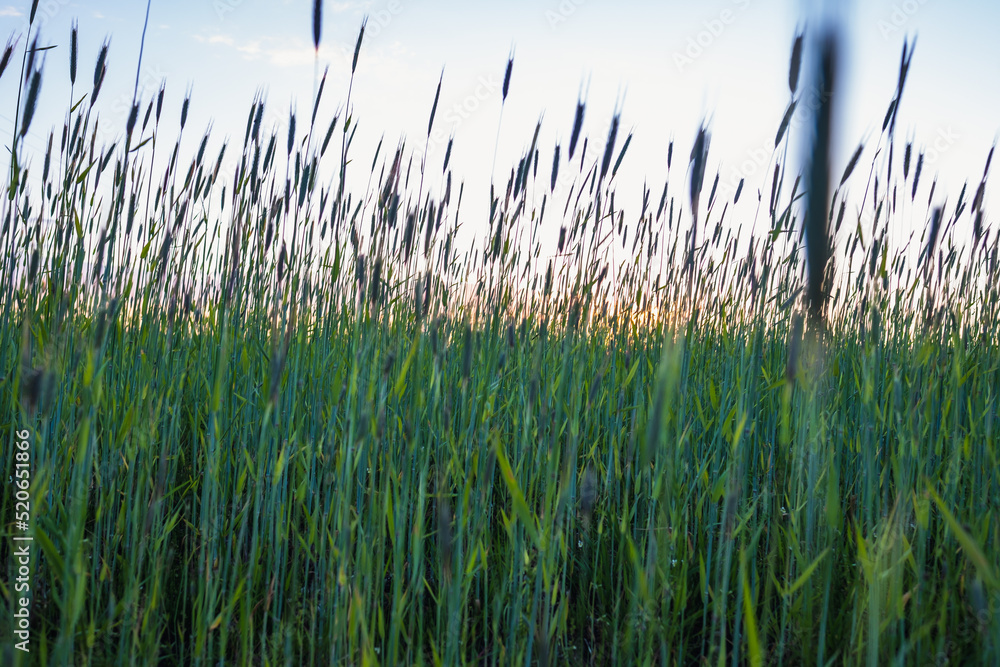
(666, 65)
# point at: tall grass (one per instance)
(277, 422)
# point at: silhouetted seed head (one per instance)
(916, 175)
(906, 160)
(960, 207)
(33, 266)
(133, 116)
(31, 102)
(408, 233)
(872, 262)
(360, 274)
(904, 67)
(329, 134)
(670, 153)
(375, 283)
(519, 178)
(621, 155)
(30, 67)
(418, 301)
(430, 226)
(165, 250)
(437, 96)
(253, 109)
(977, 201)
(699, 157)
(789, 112)
(739, 189)
(268, 235)
(609, 147)
(852, 163)
(159, 101)
(34, 8)
(577, 125)
(888, 114)
(774, 187)
(282, 261)
(796, 64)
(291, 132)
(5, 58)
(840, 215)
(715, 187)
(72, 53)
(447, 155)
(184, 110)
(317, 22)
(357, 45)
(256, 121)
(506, 76)
(99, 71)
(928, 253)
(319, 95)
(48, 160)
(511, 339)
(497, 240)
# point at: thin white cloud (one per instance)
(296, 52)
(250, 50)
(10, 11)
(290, 57)
(285, 55)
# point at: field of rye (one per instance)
(271, 424)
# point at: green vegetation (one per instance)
(270, 422)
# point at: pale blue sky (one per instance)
(644, 53)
